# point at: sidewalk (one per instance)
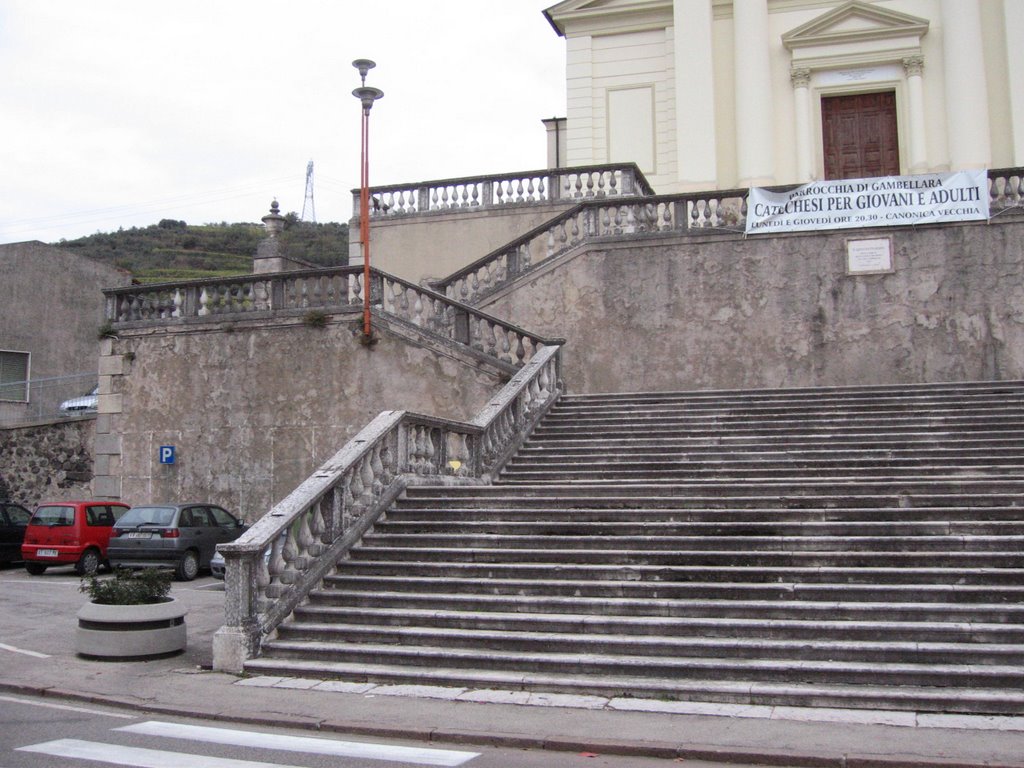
(37, 657)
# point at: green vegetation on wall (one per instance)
(174, 250)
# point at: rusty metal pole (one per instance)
(366, 96)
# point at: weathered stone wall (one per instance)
(253, 408)
(727, 311)
(47, 462)
(433, 245)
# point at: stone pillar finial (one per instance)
(273, 221)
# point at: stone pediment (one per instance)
(854, 22)
(587, 12)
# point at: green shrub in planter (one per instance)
(130, 616)
(128, 587)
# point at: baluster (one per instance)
(377, 469)
(367, 476)
(355, 289)
(290, 555)
(694, 214)
(204, 302)
(179, 302)
(263, 579)
(348, 501)
(506, 347)
(542, 189)
(276, 565)
(520, 349)
(356, 489)
(429, 452)
(613, 183)
(318, 525)
(551, 242)
(600, 184)
(492, 339)
(304, 541)
(417, 309)
(403, 296)
(590, 185)
(666, 216)
(524, 257)
(530, 189)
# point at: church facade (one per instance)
(719, 94)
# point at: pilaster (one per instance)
(753, 93)
(696, 165)
(967, 115)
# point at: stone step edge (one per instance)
(446, 634)
(902, 697)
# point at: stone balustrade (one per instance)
(336, 290)
(274, 564)
(529, 187)
(603, 219)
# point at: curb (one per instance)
(659, 750)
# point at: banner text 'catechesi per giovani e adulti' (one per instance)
(884, 201)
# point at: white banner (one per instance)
(885, 201)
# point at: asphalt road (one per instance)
(43, 733)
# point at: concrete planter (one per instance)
(130, 631)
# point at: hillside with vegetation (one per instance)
(175, 250)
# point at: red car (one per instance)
(70, 533)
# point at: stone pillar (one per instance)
(801, 79)
(755, 142)
(918, 149)
(967, 116)
(1013, 26)
(696, 164)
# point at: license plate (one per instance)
(46, 553)
(138, 535)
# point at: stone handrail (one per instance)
(338, 289)
(695, 213)
(548, 185)
(272, 567)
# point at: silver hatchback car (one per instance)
(179, 536)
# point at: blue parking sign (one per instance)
(166, 454)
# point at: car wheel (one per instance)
(36, 569)
(88, 563)
(188, 566)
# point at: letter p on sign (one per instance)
(166, 454)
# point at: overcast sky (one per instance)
(119, 113)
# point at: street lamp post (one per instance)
(366, 96)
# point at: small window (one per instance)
(223, 518)
(14, 376)
(18, 515)
(54, 516)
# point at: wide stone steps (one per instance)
(789, 693)
(540, 511)
(678, 590)
(849, 547)
(806, 628)
(713, 668)
(658, 574)
(891, 651)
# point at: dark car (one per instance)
(70, 533)
(13, 521)
(179, 536)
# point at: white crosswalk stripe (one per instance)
(318, 746)
(140, 757)
(137, 756)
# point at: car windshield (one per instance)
(54, 516)
(137, 516)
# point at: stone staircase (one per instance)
(847, 547)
